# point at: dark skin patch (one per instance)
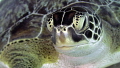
(88, 34)
(99, 31)
(75, 37)
(68, 18)
(57, 18)
(96, 21)
(91, 26)
(95, 36)
(90, 18)
(96, 30)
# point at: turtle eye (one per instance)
(79, 21)
(50, 24)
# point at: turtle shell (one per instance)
(19, 20)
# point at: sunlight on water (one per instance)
(0, 0)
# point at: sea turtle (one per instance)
(59, 33)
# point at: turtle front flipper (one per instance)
(28, 53)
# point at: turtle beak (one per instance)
(61, 36)
(65, 37)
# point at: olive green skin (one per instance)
(29, 53)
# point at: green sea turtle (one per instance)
(59, 33)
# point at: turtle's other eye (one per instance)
(50, 23)
(79, 21)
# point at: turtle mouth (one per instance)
(67, 40)
(69, 47)
(66, 47)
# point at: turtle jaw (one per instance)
(68, 39)
(71, 43)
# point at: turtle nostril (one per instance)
(58, 29)
(64, 29)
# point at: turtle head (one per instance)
(73, 30)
